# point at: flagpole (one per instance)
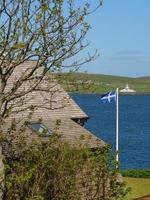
(117, 127)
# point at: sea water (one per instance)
(134, 126)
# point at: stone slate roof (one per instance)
(51, 106)
(56, 103)
(74, 133)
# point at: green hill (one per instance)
(99, 83)
(145, 79)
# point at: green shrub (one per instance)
(53, 169)
(136, 173)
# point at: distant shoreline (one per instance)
(135, 93)
(120, 93)
(96, 83)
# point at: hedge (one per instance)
(136, 173)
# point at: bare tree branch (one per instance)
(43, 31)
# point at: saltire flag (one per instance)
(108, 97)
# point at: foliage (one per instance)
(52, 169)
(136, 173)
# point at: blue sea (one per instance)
(134, 126)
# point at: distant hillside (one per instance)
(98, 83)
(144, 79)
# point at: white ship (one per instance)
(127, 89)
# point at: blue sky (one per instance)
(121, 33)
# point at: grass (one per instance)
(139, 187)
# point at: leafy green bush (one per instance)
(136, 173)
(53, 169)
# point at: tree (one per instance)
(48, 31)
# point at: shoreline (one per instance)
(120, 93)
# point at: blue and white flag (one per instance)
(108, 97)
